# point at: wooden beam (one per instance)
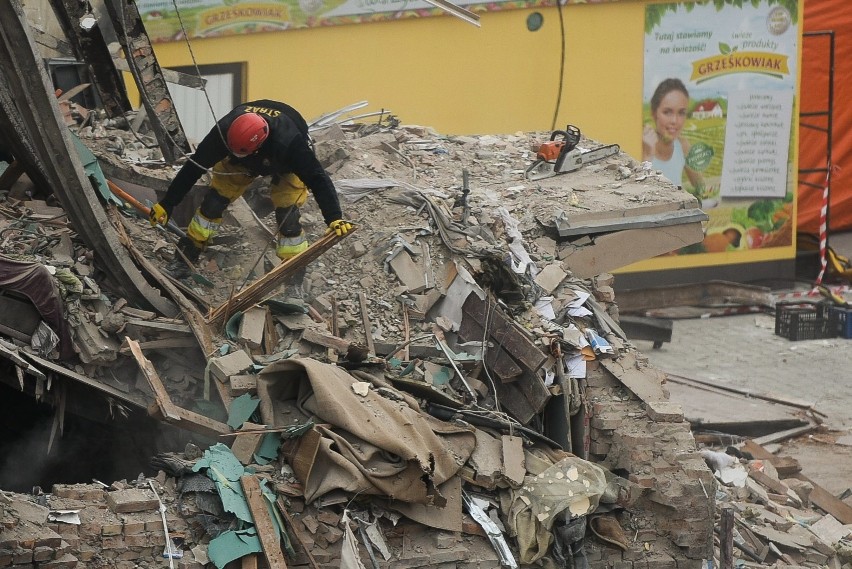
(270, 539)
(171, 413)
(365, 320)
(198, 326)
(266, 284)
(70, 374)
(325, 340)
(297, 533)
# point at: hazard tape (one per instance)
(823, 229)
(810, 293)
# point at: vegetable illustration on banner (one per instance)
(718, 107)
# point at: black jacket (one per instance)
(285, 151)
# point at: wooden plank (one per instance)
(325, 340)
(164, 344)
(249, 561)
(170, 75)
(297, 533)
(197, 325)
(108, 390)
(827, 502)
(368, 327)
(171, 413)
(784, 435)
(496, 358)
(505, 332)
(266, 284)
(270, 539)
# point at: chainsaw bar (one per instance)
(569, 162)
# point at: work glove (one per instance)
(159, 215)
(340, 227)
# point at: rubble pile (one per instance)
(778, 514)
(452, 393)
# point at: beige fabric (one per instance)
(361, 444)
(571, 484)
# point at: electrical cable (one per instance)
(559, 7)
(197, 70)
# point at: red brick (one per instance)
(67, 561)
(134, 527)
(43, 554)
(22, 556)
(131, 500)
(113, 542)
(138, 540)
(111, 529)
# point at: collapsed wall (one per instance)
(412, 272)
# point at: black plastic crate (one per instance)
(798, 321)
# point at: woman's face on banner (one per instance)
(671, 115)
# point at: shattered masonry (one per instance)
(478, 323)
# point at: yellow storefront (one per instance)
(528, 67)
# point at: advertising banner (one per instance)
(171, 20)
(718, 109)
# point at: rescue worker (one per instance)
(258, 138)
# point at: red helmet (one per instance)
(247, 133)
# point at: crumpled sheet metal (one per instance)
(362, 444)
(571, 485)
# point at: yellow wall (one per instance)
(460, 79)
(448, 74)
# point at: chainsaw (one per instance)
(560, 154)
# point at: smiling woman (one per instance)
(662, 142)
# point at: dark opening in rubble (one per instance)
(94, 447)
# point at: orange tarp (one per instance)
(826, 15)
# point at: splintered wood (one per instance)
(266, 284)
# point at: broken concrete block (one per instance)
(550, 277)
(605, 294)
(424, 302)
(409, 273)
(242, 384)
(664, 411)
(514, 466)
(234, 363)
(252, 326)
(30, 511)
(92, 345)
(358, 249)
(546, 246)
(131, 500)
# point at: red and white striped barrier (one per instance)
(823, 229)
